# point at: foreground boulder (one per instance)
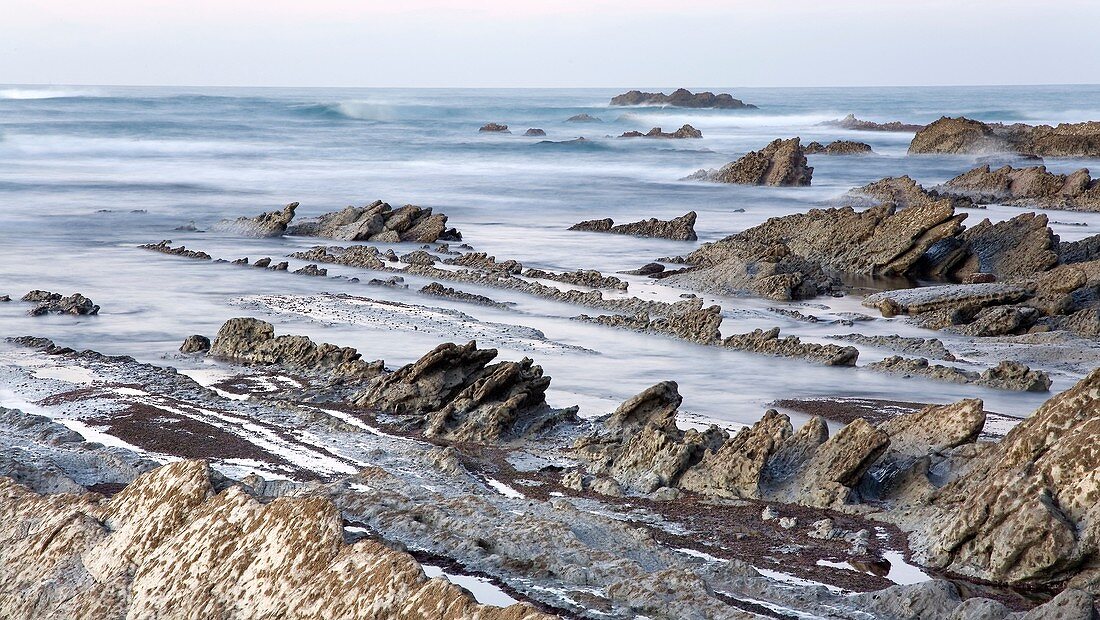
(253, 342)
(780, 163)
(681, 98)
(270, 224)
(454, 393)
(381, 223)
(172, 544)
(963, 135)
(1028, 187)
(678, 229)
(1028, 511)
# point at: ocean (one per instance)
(88, 173)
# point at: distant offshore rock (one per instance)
(963, 135)
(781, 163)
(678, 229)
(269, 224)
(687, 131)
(682, 98)
(838, 147)
(851, 122)
(494, 128)
(534, 131)
(583, 118)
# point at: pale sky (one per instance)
(563, 43)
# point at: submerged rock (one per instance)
(681, 98)
(55, 303)
(851, 122)
(780, 163)
(583, 118)
(678, 229)
(270, 224)
(534, 131)
(686, 131)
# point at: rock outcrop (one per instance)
(837, 147)
(963, 135)
(780, 163)
(851, 122)
(381, 223)
(1012, 376)
(584, 117)
(56, 303)
(195, 343)
(494, 128)
(171, 542)
(692, 322)
(681, 98)
(686, 131)
(253, 342)
(269, 224)
(678, 229)
(1028, 187)
(736, 265)
(768, 342)
(454, 393)
(902, 191)
(1028, 510)
(165, 247)
(535, 132)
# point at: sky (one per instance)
(541, 43)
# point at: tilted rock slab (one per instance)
(963, 135)
(381, 223)
(678, 229)
(171, 546)
(780, 163)
(1029, 187)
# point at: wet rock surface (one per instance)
(681, 98)
(678, 229)
(1004, 376)
(1028, 187)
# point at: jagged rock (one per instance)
(962, 135)
(196, 343)
(494, 128)
(902, 191)
(419, 257)
(1085, 250)
(692, 322)
(851, 122)
(1000, 321)
(647, 269)
(736, 468)
(454, 393)
(534, 131)
(935, 428)
(769, 342)
(55, 303)
(736, 265)
(1028, 511)
(678, 229)
(1028, 187)
(681, 98)
(837, 147)
(380, 223)
(1020, 247)
(164, 247)
(686, 131)
(481, 260)
(1006, 375)
(436, 289)
(780, 163)
(170, 543)
(581, 277)
(312, 270)
(583, 118)
(366, 257)
(252, 341)
(269, 224)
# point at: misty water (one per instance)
(89, 173)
